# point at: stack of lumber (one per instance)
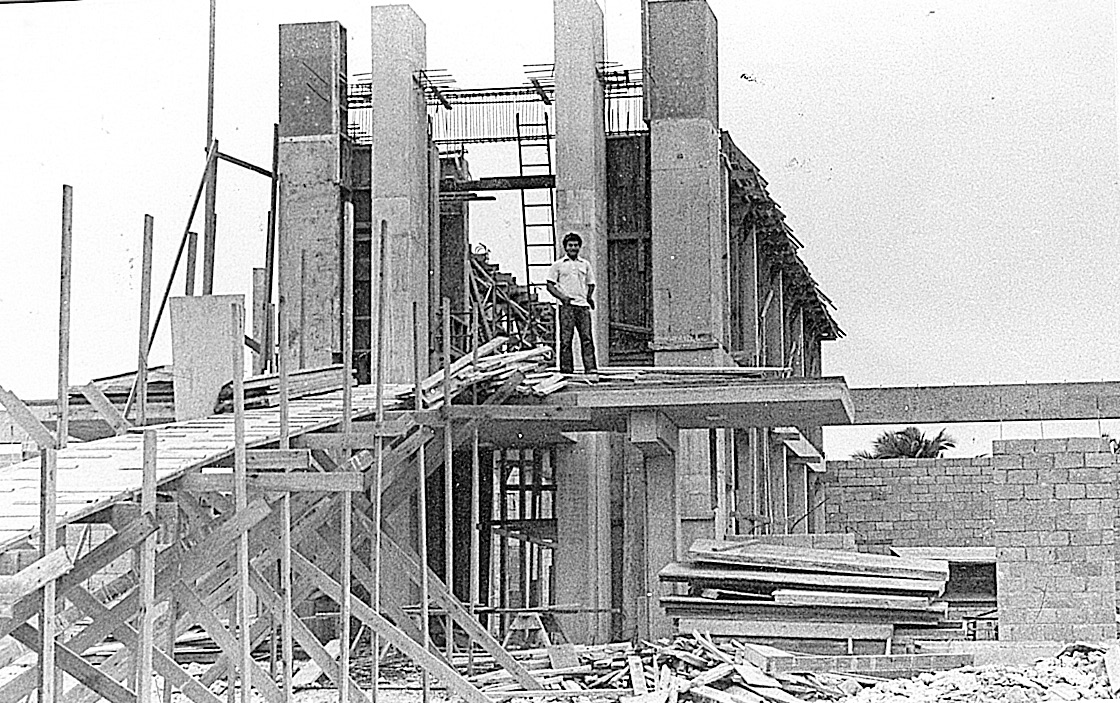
(493, 368)
(264, 391)
(777, 592)
(697, 668)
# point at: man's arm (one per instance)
(554, 289)
(591, 292)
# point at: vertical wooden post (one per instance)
(269, 340)
(260, 317)
(145, 320)
(286, 624)
(192, 259)
(210, 221)
(48, 538)
(475, 499)
(421, 501)
(62, 429)
(379, 472)
(240, 498)
(448, 477)
(145, 617)
(172, 615)
(347, 426)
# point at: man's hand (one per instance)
(591, 302)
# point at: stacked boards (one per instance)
(832, 601)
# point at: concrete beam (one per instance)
(995, 403)
(653, 433)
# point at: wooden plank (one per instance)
(793, 630)
(277, 459)
(229, 645)
(820, 560)
(145, 615)
(701, 574)
(955, 555)
(454, 681)
(637, 675)
(212, 548)
(70, 662)
(302, 635)
(404, 559)
(274, 482)
(33, 577)
(871, 664)
(105, 408)
(164, 664)
(786, 596)
(26, 419)
(691, 607)
(1112, 666)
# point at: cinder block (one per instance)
(1038, 461)
(1070, 490)
(1069, 460)
(1100, 459)
(1087, 444)
(1056, 475)
(1038, 492)
(1050, 446)
(1012, 446)
(1007, 461)
(1022, 476)
(1091, 473)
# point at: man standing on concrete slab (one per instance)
(571, 280)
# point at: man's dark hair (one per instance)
(572, 237)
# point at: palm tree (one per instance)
(910, 443)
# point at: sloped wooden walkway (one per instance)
(94, 475)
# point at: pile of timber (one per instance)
(264, 391)
(545, 382)
(698, 668)
(482, 378)
(770, 592)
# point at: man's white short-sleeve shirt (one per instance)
(573, 277)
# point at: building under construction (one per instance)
(404, 464)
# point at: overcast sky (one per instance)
(950, 166)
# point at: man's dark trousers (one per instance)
(573, 318)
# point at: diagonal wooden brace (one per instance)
(454, 681)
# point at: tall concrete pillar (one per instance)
(400, 182)
(581, 144)
(686, 184)
(583, 563)
(583, 530)
(312, 121)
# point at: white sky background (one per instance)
(950, 166)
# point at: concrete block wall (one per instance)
(910, 502)
(1053, 504)
(1048, 506)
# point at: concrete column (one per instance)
(312, 103)
(581, 145)
(689, 214)
(400, 180)
(663, 534)
(583, 564)
(583, 531)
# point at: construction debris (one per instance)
(703, 669)
(1078, 672)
